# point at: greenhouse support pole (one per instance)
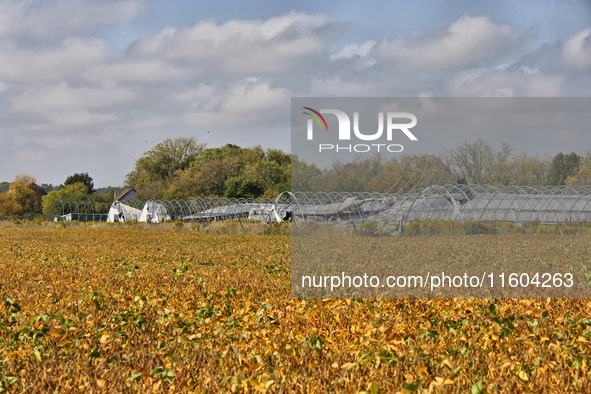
(240, 221)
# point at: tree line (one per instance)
(182, 168)
(23, 197)
(478, 162)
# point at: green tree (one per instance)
(156, 169)
(258, 177)
(211, 154)
(77, 192)
(304, 176)
(207, 180)
(162, 161)
(562, 167)
(82, 177)
(233, 171)
(70, 192)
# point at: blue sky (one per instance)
(88, 86)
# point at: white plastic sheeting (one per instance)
(120, 212)
(252, 211)
(154, 212)
(264, 215)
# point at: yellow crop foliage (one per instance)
(110, 310)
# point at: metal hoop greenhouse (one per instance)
(460, 203)
(191, 209)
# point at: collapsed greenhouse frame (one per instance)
(191, 209)
(459, 202)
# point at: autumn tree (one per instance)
(82, 177)
(582, 175)
(411, 172)
(25, 200)
(7, 205)
(526, 169)
(375, 173)
(353, 176)
(479, 161)
(156, 168)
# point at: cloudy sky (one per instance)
(88, 86)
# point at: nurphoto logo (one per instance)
(392, 124)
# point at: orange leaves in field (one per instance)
(138, 311)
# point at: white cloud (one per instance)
(61, 97)
(203, 98)
(332, 87)
(200, 93)
(65, 106)
(143, 71)
(44, 19)
(577, 50)
(68, 141)
(467, 41)
(50, 64)
(63, 85)
(247, 101)
(353, 50)
(522, 82)
(275, 46)
(150, 123)
(249, 97)
(32, 155)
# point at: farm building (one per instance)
(124, 194)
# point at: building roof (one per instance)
(119, 193)
(37, 189)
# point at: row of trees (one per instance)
(24, 197)
(81, 177)
(183, 168)
(477, 161)
(177, 168)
